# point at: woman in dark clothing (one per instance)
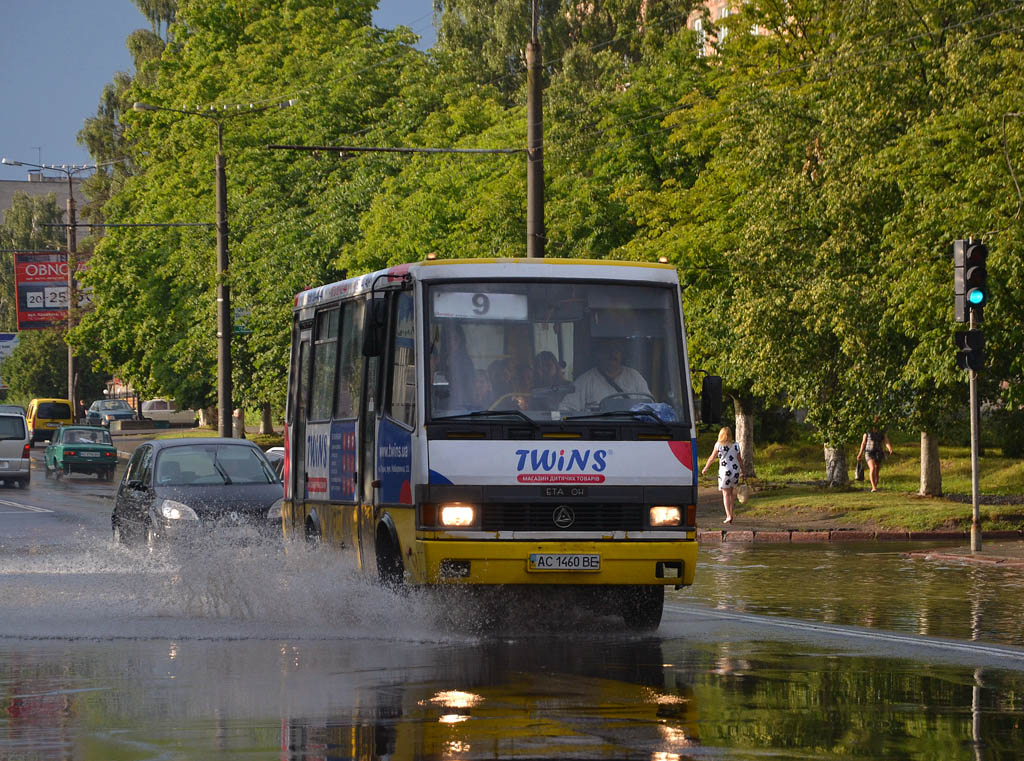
(873, 446)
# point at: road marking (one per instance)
(842, 631)
(28, 508)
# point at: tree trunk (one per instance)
(266, 421)
(743, 407)
(208, 417)
(931, 471)
(835, 466)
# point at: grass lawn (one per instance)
(789, 480)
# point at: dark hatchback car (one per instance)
(178, 487)
(106, 411)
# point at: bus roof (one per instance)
(492, 269)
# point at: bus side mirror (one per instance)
(375, 332)
(711, 399)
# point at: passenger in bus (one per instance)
(547, 370)
(459, 370)
(483, 393)
(610, 378)
(549, 382)
(500, 374)
(510, 384)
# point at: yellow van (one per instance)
(44, 416)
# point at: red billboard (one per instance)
(41, 279)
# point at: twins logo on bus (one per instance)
(545, 466)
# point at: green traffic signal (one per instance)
(975, 274)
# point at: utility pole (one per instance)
(535, 146)
(72, 241)
(225, 417)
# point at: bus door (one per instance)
(366, 477)
(300, 400)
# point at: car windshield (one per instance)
(79, 436)
(555, 351)
(12, 427)
(212, 464)
(112, 404)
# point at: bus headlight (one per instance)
(457, 515)
(665, 515)
(173, 510)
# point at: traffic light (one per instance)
(971, 345)
(969, 279)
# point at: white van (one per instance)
(15, 464)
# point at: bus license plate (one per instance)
(555, 562)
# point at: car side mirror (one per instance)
(711, 399)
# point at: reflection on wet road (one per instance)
(874, 585)
(253, 652)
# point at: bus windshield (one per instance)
(554, 350)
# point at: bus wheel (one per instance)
(642, 606)
(312, 534)
(389, 561)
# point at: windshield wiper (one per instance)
(220, 469)
(635, 414)
(491, 413)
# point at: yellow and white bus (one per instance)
(498, 422)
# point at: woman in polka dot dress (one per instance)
(730, 468)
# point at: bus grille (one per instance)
(588, 517)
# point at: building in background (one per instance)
(39, 184)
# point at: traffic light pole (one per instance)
(975, 435)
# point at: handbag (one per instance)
(860, 470)
(743, 492)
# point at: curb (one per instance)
(800, 536)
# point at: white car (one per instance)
(167, 410)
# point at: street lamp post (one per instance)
(69, 170)
(224, 327)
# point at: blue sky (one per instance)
(57, 55)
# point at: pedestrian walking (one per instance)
(730, 467)
(873, 446)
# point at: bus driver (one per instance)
(609, 378)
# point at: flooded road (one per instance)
(252, 652)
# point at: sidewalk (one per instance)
(1002, 548)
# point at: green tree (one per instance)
(30, 224)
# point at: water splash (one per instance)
(253, 587)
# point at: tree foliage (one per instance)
(806, 179)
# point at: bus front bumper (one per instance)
(552, 562)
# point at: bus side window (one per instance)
(325, 353)
(403, 365)
(350, 369)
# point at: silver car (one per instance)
(15, 464)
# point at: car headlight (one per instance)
(173, 510)
(665, 515)
(274, 513)
(457, 515)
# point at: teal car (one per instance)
(81, 449)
